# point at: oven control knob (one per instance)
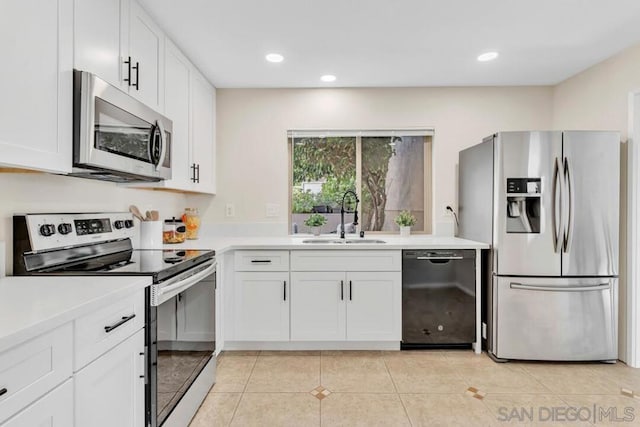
(118, 224)
(128, 223)
(64, 228)
(47, 230)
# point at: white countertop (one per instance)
(224, 244)
(32, 305)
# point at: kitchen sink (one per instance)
(342, 242)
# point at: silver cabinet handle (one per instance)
(556, 200)
(599, 287)
(568, 234)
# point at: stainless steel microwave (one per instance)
(116, 137)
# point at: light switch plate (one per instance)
(230, 210)
(272, 210)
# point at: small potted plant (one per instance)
(405, 220)
(315, 221)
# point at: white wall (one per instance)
(252, 144)
(38, 192)
(598, 99)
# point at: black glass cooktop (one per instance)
(161, 264)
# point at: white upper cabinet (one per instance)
(118, 41)
(98, 44)
(177, 103)
(36, 40)
(203, 130)
(146, 49)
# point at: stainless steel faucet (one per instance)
(342, 212)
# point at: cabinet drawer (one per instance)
(31, 369)
(54, 410)
(346, 260)
(98, 332)
(262, 260)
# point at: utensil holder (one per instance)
(151, 235)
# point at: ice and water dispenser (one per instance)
(523, 205)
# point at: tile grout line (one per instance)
(235, 410)
(395, 387)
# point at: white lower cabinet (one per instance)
(318, 309)
(261, 306)
(110, 390)
(55, 409)
(352, 306)
(374, 306)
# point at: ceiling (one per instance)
(380, 43)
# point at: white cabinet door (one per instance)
(110, 391)
(36, 41)
(318, 311)
(54, 409)
(97, 38)
(195, 313)
(374, 306)
(203, 143)
(146, 48)
(177, 104)
(261, 306)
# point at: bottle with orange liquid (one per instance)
(191, 219)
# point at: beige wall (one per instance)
(252, 126)
(598, 99)
(37, 192)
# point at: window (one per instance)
(389, 170)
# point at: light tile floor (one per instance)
(415, 388)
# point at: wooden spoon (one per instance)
(136, 212)
(155, 216)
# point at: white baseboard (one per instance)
(312, 345)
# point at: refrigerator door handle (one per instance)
(600, 287)
(556, 199)
(568, 227)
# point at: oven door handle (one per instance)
(165, 293)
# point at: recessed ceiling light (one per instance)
(328, 78)
(488, 56)
(274, 57)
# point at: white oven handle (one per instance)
(160, 294)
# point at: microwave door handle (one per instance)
(163, 146)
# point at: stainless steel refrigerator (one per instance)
(549, 204)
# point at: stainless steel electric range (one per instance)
(180, 304)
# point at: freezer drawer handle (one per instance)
(438, 257)
(120, 323)
(600, 287)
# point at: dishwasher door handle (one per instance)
(438, 257)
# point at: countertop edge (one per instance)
(45, 325)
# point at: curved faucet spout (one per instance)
(342, 211)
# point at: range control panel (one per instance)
(50, 231)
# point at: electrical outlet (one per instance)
(444, 210)
(230, 210)
(272, 210)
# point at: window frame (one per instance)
(427, 133)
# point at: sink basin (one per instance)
(341, 241)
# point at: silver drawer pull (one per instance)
(438, 257)
(121, 322)
(600, 287)
(261, 261)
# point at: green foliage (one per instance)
(334, 188)
(376, 153)
(317, 158)
(302, 201)
(315, 220)
(405, 219)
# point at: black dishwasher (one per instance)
(438, 298)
